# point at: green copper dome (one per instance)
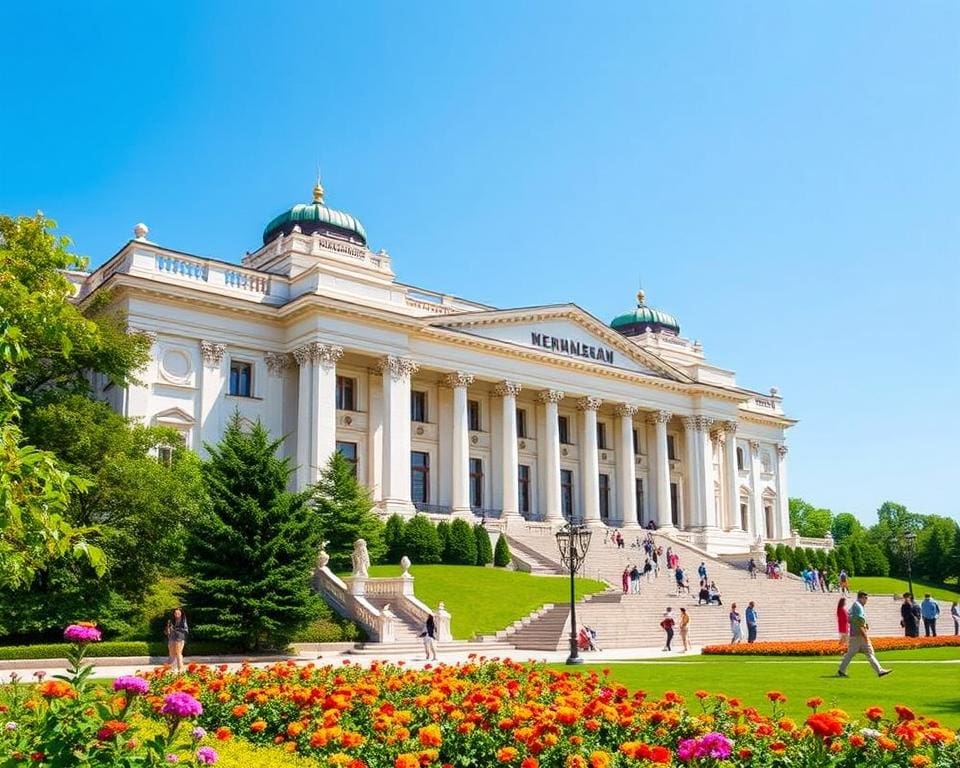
(638, 320)
(316, 217)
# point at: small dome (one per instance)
(316, 217)
(638, 320)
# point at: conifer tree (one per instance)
(501, 553)
(462, 545)
(421, 542)
(344, 513)
(393, 538)
(250, 554)
(443, 531)
(484, 550)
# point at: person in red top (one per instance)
(667, 625)
(843, 621)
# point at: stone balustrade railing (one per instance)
(796, 540)
(380, 626)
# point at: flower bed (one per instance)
(501, 713)
(827, 647)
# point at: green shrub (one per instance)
(443, 531)
(421, 542)
(780, 553)
(111, 648)
(484, 550)
(501, 553)
(330, 630)
(462, 549)
(393, 533)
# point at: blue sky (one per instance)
(785, 178)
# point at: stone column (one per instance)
(732, 475)
(304, 358)
(627, 467)
(551, 452)
(705, 463)
(324, 399)
(396, 433)
(589, 460)
(661, 470)
(692, 514)
(277, 364)
(702, 512)
(460, 453)
(756, 499)
(213, 378)
(509, 456)
(783, 513)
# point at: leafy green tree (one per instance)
(421, 543)
(443, 531)
(953, 562)
(501, 553)
(484, 549)
(463, 544)
(808, 520)
(873, 560)
(251, 553)
(844, 526)
(934, 545)
(393, 538)
(344, 513)
(780, 552)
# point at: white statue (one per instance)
(361, 558)
(405, 565)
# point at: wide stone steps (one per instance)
(540, 563)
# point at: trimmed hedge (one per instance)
(109, 648)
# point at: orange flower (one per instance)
(222, 733)
(919, 761)
(904, 713)
(575, 761)
(429, 735)
(112, 728)
(778, 747)
(887, 743)
(507, 754)
(776, 696)
(566, 715)
(701, 694)
(529, 762)
(351, 739)
(786, 724)
(660, 755)
(856, 740)
(825, 725)
(874, 713)
(240, 710)
(406, 760)
(295, 729)
(600, 759)
(815, 702)
(258, 726)
(57, 689)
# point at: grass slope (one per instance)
(924, 680)
(883, 585)
(485, 600)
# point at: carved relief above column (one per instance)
(457, 379)
(625, 409)
(507, 389)
(325, 354)
(398, 368)
(589, 403)
(277, 362)
(659, 417)
(782, 449)
(728, 427)
(550, 396)
(755, 447)
(697, 423)
(212, 352)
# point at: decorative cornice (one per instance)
(212, 352)
(457, 380)
(589, 403)
(697, 423)
(152, 335)
(507, 388)
(659, 417)
(550, 396)
(398, 368)
(277, 362)
(626, 409)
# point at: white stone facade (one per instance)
(533, 413)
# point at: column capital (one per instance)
(728, 427)
(589, 403)
(626, 409)
(782, 449)
(507, 389)
(457, 380)
(212, 352)
(326, 354)
(755, 446)
(277, 362)
(659, 417)
(697, 423)
(152, 335)
(550, 396)
(398, 368)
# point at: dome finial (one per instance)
(641, 297)
(318, 189)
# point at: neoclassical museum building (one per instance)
(442, 404)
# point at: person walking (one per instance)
(843, 622)
(860, 639)
(842, 581)
(908, 617)
(955, 614)
(678, 576)
(702, 571)
(930, 611)
(429, 636)
(751, 616)
(667, 625)
(752, 567)
(736, 630)
(176, 631)
(625, 579)
(684, 628)
(635, 580)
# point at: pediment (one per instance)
(174, 417)
(564, 331)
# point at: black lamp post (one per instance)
(574, 541)
(909, 542)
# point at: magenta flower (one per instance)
(131, 684)
(198, 733)
(172, 758)
(81, 633)
(687, 750)
(207, 755)
(181, 705)
(713, 744)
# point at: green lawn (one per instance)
(484, 600)
(882, 585)
(923, 679)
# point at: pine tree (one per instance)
(484, 550)
(462, 545)
(393, 538)
(443, 531)
(501, 553)
(344, 513)
(421, 542)
(251, 552)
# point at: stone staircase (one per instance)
(531, 556)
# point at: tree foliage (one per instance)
(501, 553)
(393, 538)
(421, 543)
(808, 520)
(484, 549)
(344, 513)
(462, 547)
(251, 553)
(845, 526)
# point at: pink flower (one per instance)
(181, 705)
(82, 633)
(207, 755)
(131, 684)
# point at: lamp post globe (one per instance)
(573, 541)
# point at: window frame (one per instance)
(522, 423)
(424, 471)
(355, 461)
(341, 400)
(603, 492)
(474, 416)
(602, 436)
(566, 493)
(563, 429)
(523, 487)
(671, 448)
(240, 365)
(419, 400)
(475, 465)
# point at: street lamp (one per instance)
(909, 542)
(574, 541)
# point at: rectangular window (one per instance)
(473, 415)
(636, 443)
(476, 483)
(346, 397)
(241, 379)
(744, 516)
(601, 435)
(418, 406)
(739, 458)
(675, 504)
(521, 422)
(604, 496)
(639, 492)
(563, 424)
(349, 452)
(671, 448)
(165, 455)
(523, 487)
(420, 477)
(566, 493)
